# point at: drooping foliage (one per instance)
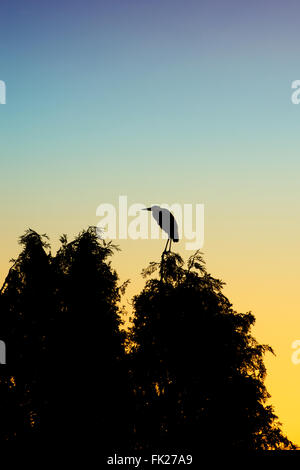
(193, 379)
(27, 310)
(199, 372)
(90, 367)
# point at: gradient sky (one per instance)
(163, 101)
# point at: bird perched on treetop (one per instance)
(167, 223)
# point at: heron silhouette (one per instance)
(167, 223)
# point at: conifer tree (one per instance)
(25, 317)
(90, 375)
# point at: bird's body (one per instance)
(167, 223)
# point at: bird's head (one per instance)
(152, 208)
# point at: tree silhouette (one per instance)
(26, 312)
(198, 371)
(67, 375)
(89, 375)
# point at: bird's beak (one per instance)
(147, 209)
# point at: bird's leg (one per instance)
(166, 246)
(170, 245)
